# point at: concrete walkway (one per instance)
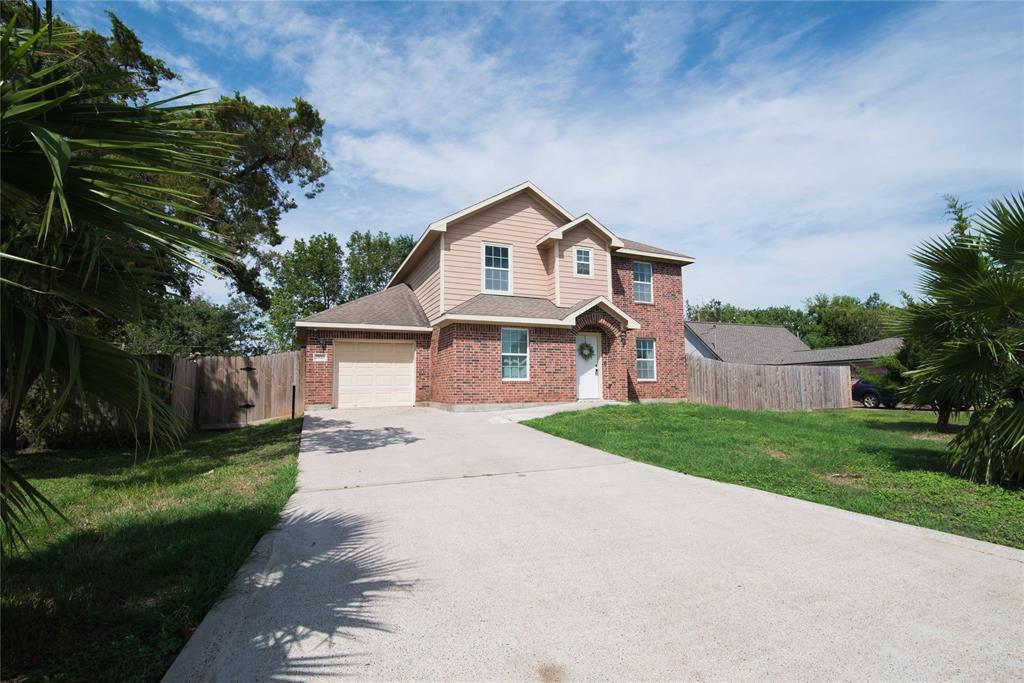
(431, 545)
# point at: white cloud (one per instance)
(784, 166)
(658, 39)
(815, 167)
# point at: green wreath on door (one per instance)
(586, 351)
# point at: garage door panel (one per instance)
(376, 374)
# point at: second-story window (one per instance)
(643, 282)
(497, 268)
(584, 258)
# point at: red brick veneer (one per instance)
(661, 321)
(467, 366)
(319, 382)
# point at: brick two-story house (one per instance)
(510, 301)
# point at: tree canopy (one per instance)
(317, 274)
(837, 320)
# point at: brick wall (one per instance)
(319, 382)
(468, 366)
(661, 321)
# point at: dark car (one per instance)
(872, 396)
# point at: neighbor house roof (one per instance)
(757, 344)
(395, 308)
(855, 352)
(528, 310)
(775, 345)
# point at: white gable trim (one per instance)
(441, 225)
(559, 233)
(607, 305)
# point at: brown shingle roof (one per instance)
(499, 305)
(855, 352)
(640, 246)
(775, 345)
(393, 306)
(757, 344)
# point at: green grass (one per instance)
(114, 595)
(878, 462)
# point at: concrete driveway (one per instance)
(431, 545)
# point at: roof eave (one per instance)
(670, 258)
(369, 327)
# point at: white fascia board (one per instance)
(559, 233)
(412, 254)
(362, 326)
(655, 257)
(442, 223)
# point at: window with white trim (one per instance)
(643, 282)
(646, 365)
(497, 268)
(584, 262)
(515, 353)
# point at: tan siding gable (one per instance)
(519, 221)
(576, 288)
(425, 281)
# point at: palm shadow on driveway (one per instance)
(297, 610)
(335, 435)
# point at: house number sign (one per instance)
(319, 357)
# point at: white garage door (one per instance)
(376, 374)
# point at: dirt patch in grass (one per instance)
(777, 454)
(851, 479)
(931, 436)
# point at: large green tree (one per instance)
(246, 193)
(276, 148)
(317, 274)
(372, 259)
(843, 320)
(309, 277)
(184, 326)
(969, 325)
(89, 230)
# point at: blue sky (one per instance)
(791, 148)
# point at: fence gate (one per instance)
(234, 391)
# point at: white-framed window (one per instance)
(584, 262)
(515, 354)
(643, 282)
(497, 268)
(646, 364)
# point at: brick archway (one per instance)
(614, 353)
(599, 318)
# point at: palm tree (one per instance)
(971, 321)
(89, 231)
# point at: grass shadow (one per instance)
(197, 455)
(921, 427)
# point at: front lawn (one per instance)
(886, 463)
(114, 595)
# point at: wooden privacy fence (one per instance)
(767, 387)
(219, 392)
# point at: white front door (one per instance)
(588, 374)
